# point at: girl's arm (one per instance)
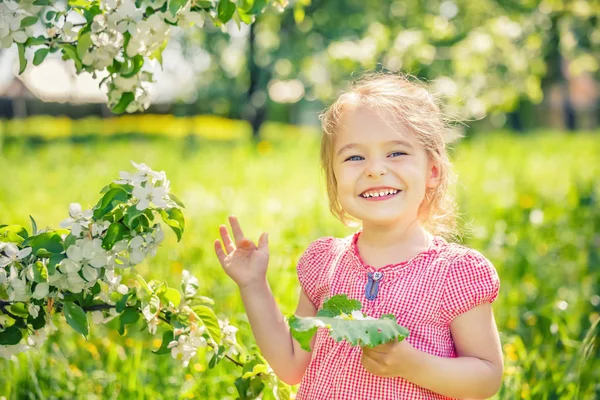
(272, 333)
(246, 263)
(475, 374)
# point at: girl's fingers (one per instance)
(238, 235)
(229, 246)
(220, 253)
(263, 242)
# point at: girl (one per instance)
(384, 157)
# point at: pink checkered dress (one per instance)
(425, 294)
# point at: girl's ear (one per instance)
(433, 179)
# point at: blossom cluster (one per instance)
(117, 38)
(78, 260)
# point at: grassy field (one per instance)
(530, 203)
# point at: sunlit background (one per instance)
(234, 123)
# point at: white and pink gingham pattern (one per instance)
(425, 294)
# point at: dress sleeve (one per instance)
(472, 281)
(310, 267)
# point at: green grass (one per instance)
(277, 188)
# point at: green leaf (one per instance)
(174, 218)
(48, 241)
(76, 317)
(284, 391)
(40, 56)
(225, 10)
(132, 66)
(129, 316)
(257, 7)
(38, 322)
(362, 332)
(70, 52)
(40, 272)
(115, 232)
(172, 295)
(217, 357)
(22, 59)
(167, 338)
(339, 304)
(13, 233)
(70, 240)
(84, 43)
(34, 41)
(55, 259)
(176, 200)
(10, 336)
(50, 15)
(33, 226)
(210, 321)
(121, 106)
(143, 284)
(176, 5)
(42, 3)
(130, 216)
(109, 201)
(122, 303)
(28, 21)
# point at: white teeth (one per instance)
(381, 193)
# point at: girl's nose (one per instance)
(376, 169)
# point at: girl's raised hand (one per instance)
(242, 260)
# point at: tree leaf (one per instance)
(174, 218)
(40, 56)
(225, 10)
(115, 232)
(176, 5)
(47, 241)
(13, 233)
(33, 226)
(109, 201)
(210, 321)
(167, 338)
(28, 21)
(22, 59)
(10, 336)
(121, 106)
(40, 272)
(84, 43)
(128, 317)
(172, 295)
(363, 332)
(76, 317)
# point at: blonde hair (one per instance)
(407, 103)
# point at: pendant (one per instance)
(372, 288)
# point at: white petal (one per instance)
(24, 253)
(99, 260)
(90, 274)
(74, 210)
(11, 250)
(142, 204)
(41, 290)
(136, 257)
(75, 253)
(70, 266)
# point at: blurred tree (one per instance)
(485, 56)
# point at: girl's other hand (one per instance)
(243, 261)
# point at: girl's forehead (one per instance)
(363, 125)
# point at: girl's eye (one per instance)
(397, 154)
(354, 158)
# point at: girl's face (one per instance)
(382, 174)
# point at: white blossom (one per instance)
(78, 220)
(149, 194)
(13, 254)
(185, 346)
(189, 283)
(41, 290)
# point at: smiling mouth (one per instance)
(372, 194)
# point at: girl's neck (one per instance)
(385, 236)
(379, 246)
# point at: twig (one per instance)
(3, 305)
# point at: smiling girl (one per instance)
(386, 166)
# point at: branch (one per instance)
(3, 305)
